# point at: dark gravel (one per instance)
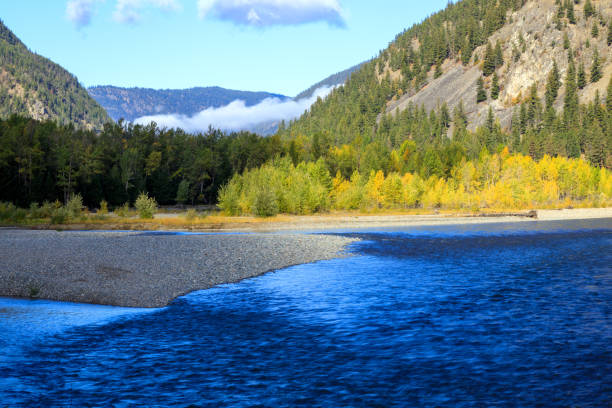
(142, 270)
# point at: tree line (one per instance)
(44, 161)
(492, 181)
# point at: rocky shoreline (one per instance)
(140, 269)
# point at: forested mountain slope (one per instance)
(338, 78)
(133, 103)
(34, 86)
(529, 74)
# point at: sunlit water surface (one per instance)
(489, 315)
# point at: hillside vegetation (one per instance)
(530, 75)
(424, 125)
(34, 86)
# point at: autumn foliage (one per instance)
(493, 181)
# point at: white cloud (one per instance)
(80, 11)
(273, 12)
(130, 11)
(236, 115)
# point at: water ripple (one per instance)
(419, 318)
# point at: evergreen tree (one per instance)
(534, 110)
(552, 85)
(610, 33)
(596, 150)
(581, 78)
(571, 17)
(560, 9)
(489, 61)
(444, 115)
(566, 41)
(490, 123)
(481, 93)
(495, 87)
(466, 51)
(570, 104)
(588, 9)
(595, 67)
(438, 71)
(498, 55)
(595, 30)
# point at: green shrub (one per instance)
(103, 208)
(182, 194)
(265, 204)
(191, 215)
(123, 211)
(146, 206)
(46, 209)
(229, 197)
(9, 212)
(34, 211)
(74, 206)
(6, 211)
(60, 215)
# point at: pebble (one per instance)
(137, 269)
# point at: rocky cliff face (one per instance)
(532, 40)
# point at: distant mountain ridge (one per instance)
(33, 86)
(338, 78)
(133, 103)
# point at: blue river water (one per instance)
(491, 315)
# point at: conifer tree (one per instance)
(596, 145)
(560, 10)
(581, 78)
(459, 115)
(495, 87)
(489, 61)
(466, 51)
(595, 67)
(595, 30)
(481, 93)
(438, 71)
(571, 17)
(444, 115)
(552, 85)
(570, 104)
(610, 32)
(534, 110)
(490, 123)
(588, 9)
(498, 55)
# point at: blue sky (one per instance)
(281, 46)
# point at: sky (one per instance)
(279, 46)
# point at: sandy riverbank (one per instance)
(323, 222)
(326, 222)
(144, 270)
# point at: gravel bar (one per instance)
(139, 269)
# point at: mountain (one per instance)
(133, 103)
(34, 86)
(532, 73)
(338, 78)
(531, 42)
